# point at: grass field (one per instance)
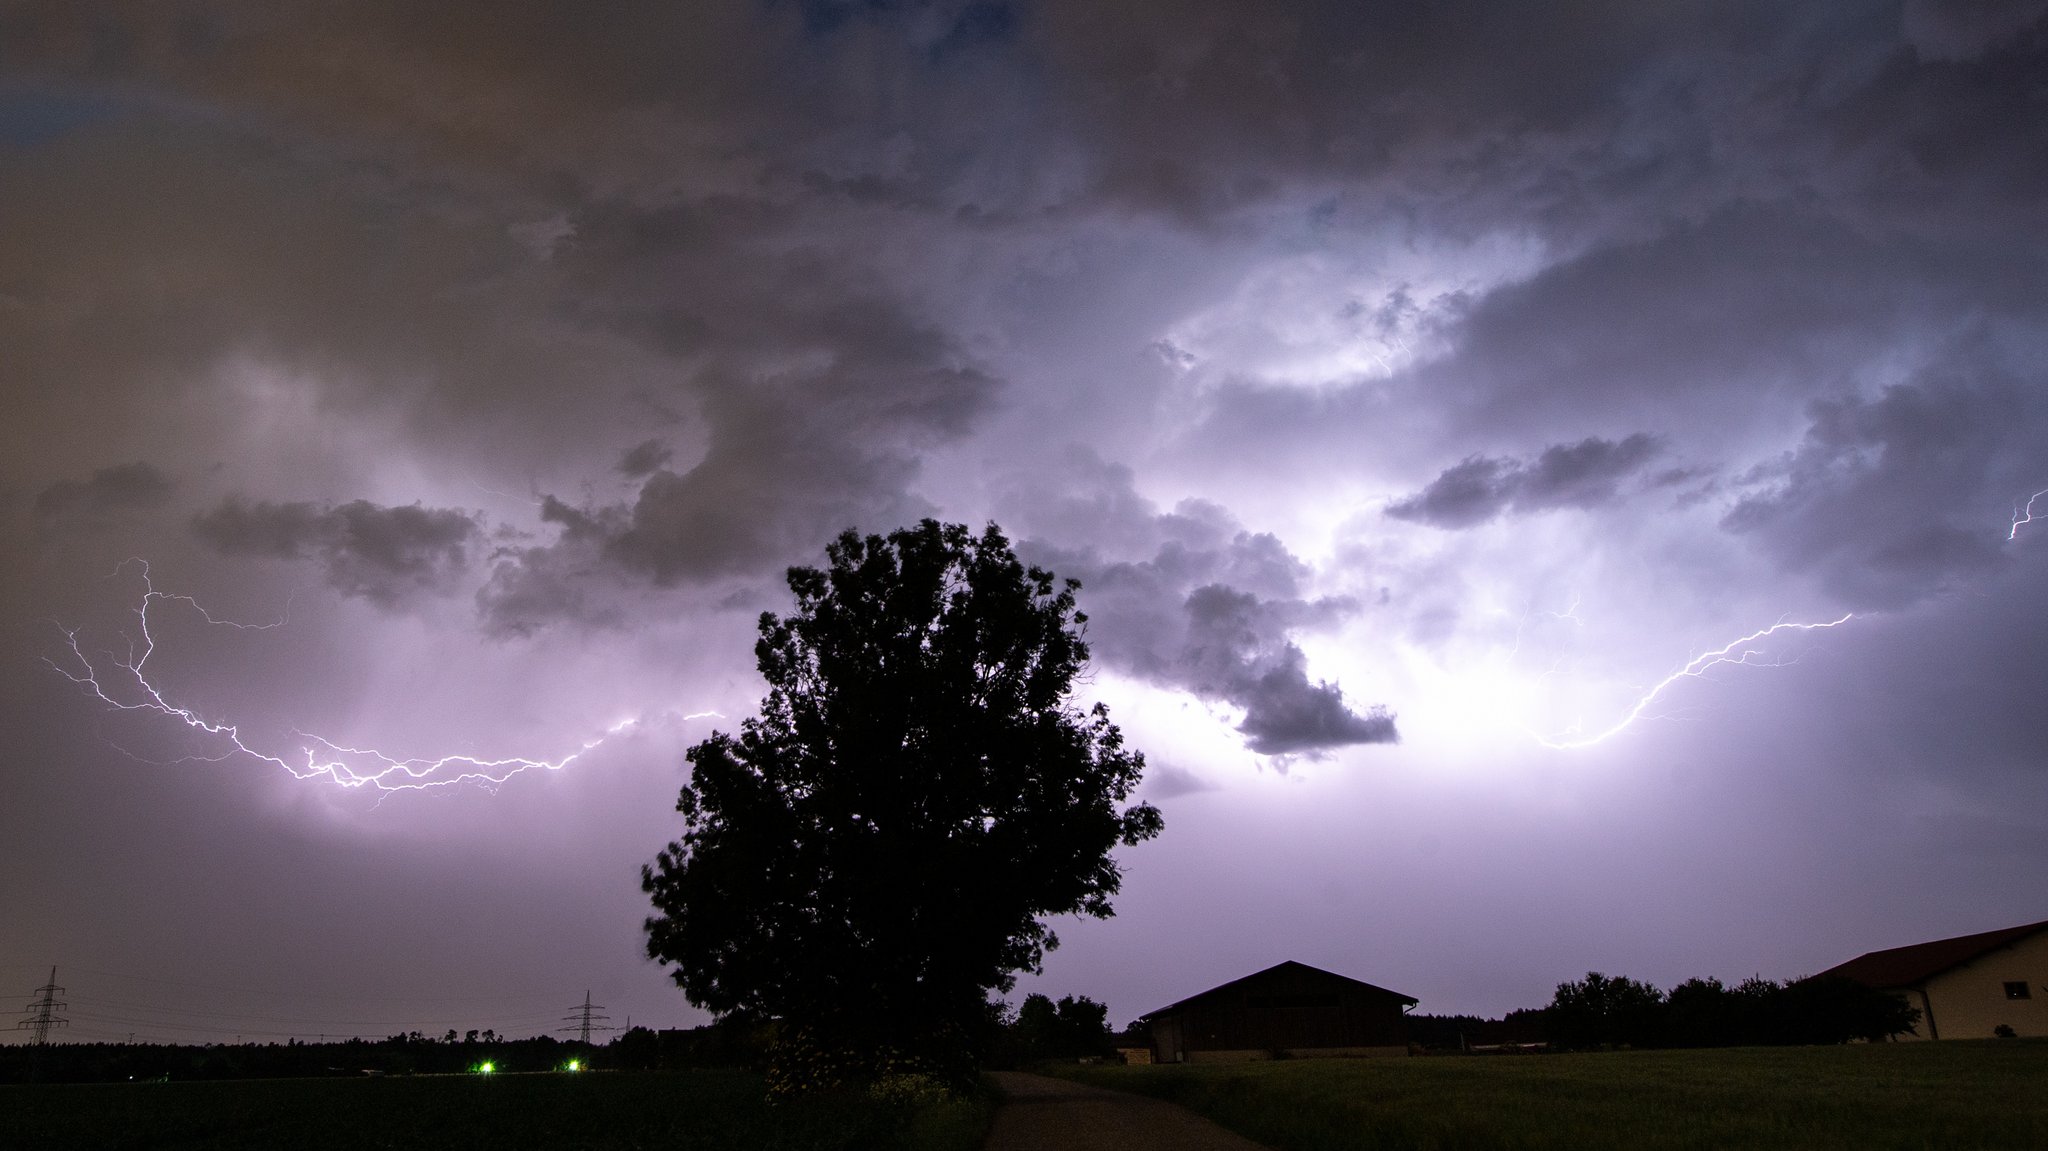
(689, 1111)
(1958, 1094)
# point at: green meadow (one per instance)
(684, 1110)
(1956, 1094)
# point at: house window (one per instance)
(2018, 990)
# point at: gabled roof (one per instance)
(1286, 966)
(1914, 965)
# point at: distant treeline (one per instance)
(410, 1054)
(1601, 1011)
(1595, 1012)
(1525, 1028)
(1073, 1027)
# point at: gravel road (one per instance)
(1041, 1114)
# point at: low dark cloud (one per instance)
(1234, 651)
(775, 485)
(123, 487)
(1886, 499)
(811, 426)
(643, 458)
(1210, 611)
(1959, 30)
(566, 581)
(1582, 475)
(382, 554)
(1166, 781)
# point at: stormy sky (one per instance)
(434, 395)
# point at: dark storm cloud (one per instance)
(1231, 652)
(1165, 781)
(1564, 116)
(810, 389)
(1158, 620)
(566, 581)
(1198, 107)
(644, 457)
(1940, 139)
(382, 554)
(1749, 300)
(1895, 498)
(136, 486)
(759, 500)
(1209, 612)
(791, 461)
(1714, 231)
(1582, 475)
(637, 104)
(1955, 30)
(558, 260)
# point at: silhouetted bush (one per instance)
(1599, 1011)
(1074, 1027)
(408, 1054)
(1602, 1012)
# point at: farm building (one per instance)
(1966, 987)
(1290, 1009)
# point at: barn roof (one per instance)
(1915, 964)
(1286, 966)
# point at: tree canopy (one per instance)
(1067, 1029)
(1601, 1011)
(879, 849)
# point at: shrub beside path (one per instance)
(1041, 1114)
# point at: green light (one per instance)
(486, 1067)
(575, 1065)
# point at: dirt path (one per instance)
(1041, 1114)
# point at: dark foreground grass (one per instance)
(685, 1110)
(1960, 1094)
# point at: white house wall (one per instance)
(1971, 1001)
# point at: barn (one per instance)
(1968, 987)
(1289, 1010)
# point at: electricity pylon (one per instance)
(42, 1011)
(584, 1020)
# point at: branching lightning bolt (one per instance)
(126, 685)
(2021, 516)
(1736, 652)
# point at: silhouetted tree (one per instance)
(1136, 1033)
(878, 850)
(1702, 1013)
(1598, 1011)
(638, 1049)
(1068, 1029)
(1832, 1009)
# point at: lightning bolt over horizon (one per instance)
(1736, 652)
(318, 758)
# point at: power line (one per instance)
(262, 993)
(95, 1003)
(94, 1016)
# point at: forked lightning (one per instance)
(125, 683)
